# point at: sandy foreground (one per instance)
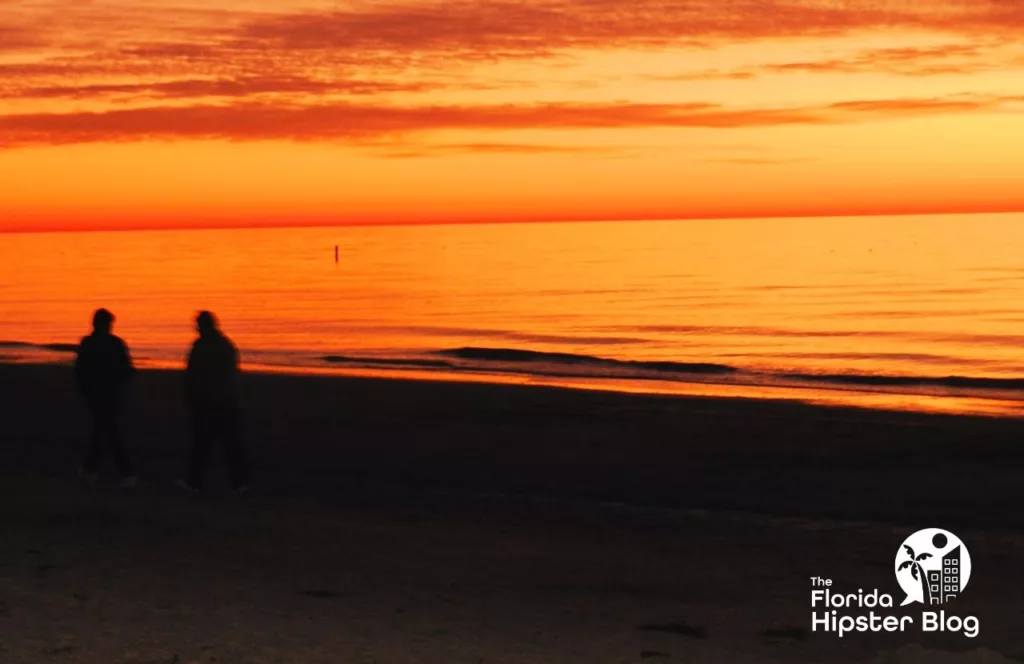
(396, 521)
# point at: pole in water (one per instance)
(335, 253)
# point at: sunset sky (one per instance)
(181, 113)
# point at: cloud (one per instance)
(541, 26)
(706, 75)
(18, 38)
(446, 149)
(956, 58)
(369, 122)
(105, 49)
(907, 61)
(757, 161)
(240, 74)
(893, 107)
(417, 34)
(238, 87)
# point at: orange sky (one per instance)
(196, 113)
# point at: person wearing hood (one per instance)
(103, 368)
(211, 393)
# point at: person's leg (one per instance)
(234, 450)
(97, 441)
(202, 442)
(122, 461)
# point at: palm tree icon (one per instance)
(916, 570)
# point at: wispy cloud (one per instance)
(15, 38)
(447, 149)
(238, 87)
(758, 161)
(957, 58)
(926, 106)
(354, 122)
(947, 59)
(226, 71)
(505, 26)
(227, 41)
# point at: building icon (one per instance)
(944, 583)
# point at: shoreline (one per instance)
(865, 392)
(647, 450)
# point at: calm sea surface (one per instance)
(874, 311)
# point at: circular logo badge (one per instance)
(933, 567)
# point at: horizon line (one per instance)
(509, 221)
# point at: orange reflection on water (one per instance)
(898, 297)
(839, 398)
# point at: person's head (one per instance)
(102, 321)
(206, 323)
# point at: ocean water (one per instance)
(898, 312)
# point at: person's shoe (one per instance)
(241, 490)
(129, 482)
(185, 486)
(88, 477)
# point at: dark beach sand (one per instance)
(400, 521)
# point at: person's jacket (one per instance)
(102, 367)
(212, 374)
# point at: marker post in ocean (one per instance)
(335, 253)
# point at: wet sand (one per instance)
(400, 521)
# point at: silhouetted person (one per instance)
(103, 368)
(211, 392)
